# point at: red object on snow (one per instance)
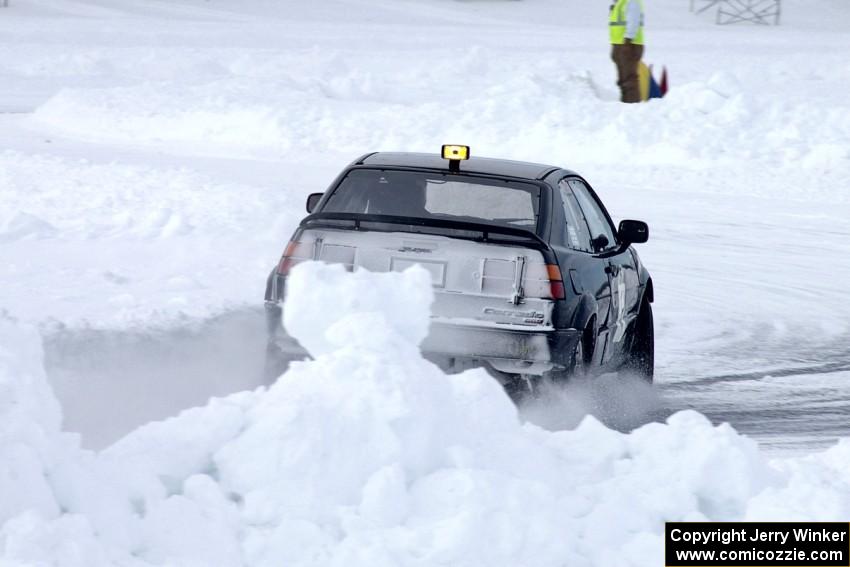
(664, 81)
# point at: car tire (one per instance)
(522, 388)
(642, 353)
(581, 359)
(276, 363)
(583, 354)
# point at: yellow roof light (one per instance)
(454, 152)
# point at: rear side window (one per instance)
(578, 235)
(437, 195)
(597, 221)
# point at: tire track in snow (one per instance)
(110, 382)
(799, 403)
(822, 368)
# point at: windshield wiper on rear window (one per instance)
(486, 230)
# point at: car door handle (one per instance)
(612, 269)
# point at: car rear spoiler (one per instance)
(316, 219)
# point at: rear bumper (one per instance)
(458, 346)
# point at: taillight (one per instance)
(295, 252)
(556, 282)
(543, 281)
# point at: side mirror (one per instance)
(633, 232)
(313, 200)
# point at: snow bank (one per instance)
(134, 242)
(348, 108)
(29, 422)
(78, 199)
(369, 455)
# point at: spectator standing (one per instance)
(625, 26)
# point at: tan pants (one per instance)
(627, 57)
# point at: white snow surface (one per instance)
(370, 455)
(154, 160)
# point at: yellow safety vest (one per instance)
(617, 23)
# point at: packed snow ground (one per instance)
(154, 159)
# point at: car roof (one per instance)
(488, 166)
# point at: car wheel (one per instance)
(583, 354)
(642, 356)
(580, 361)
(276, 363)
(522, 388)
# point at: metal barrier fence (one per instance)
(763, 12)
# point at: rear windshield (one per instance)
(437, 196)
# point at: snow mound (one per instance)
(49, 197)
(333, 309)
(370, 455)
(29, 421)
(345, 107)
(24, 225)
